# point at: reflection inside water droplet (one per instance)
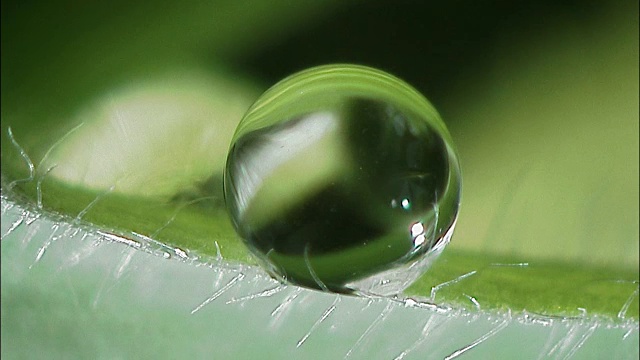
(343, 178)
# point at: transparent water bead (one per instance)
(343, 178)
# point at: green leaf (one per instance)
(548, 145)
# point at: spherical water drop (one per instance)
(343, 178)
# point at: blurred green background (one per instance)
(541, 98)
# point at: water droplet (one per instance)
(342, 176)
